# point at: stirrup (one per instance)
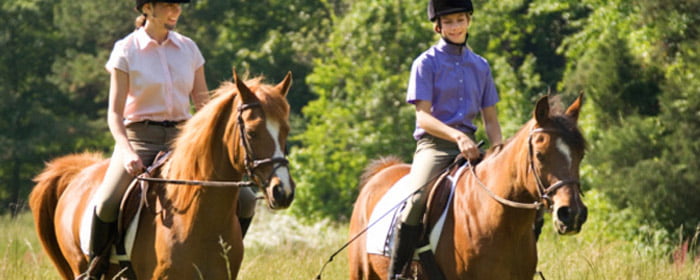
(85, 276)
(401, 277)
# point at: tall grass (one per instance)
(612, 245)
(21, 256)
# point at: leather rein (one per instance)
(251, 163)
(543, 192)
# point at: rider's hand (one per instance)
(133, 163)
(468, 148)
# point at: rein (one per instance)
(542, 191)
(219, 184)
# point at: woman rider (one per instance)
(155, 73)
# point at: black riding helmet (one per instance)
(140, 3)
(438, 8)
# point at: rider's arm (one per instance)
(200, 93)
(119, 85)
(491, 125)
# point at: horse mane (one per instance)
(199, 140)
(570, 131)
(375, 166)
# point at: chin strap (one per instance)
(453, 43)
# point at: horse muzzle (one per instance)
(569, 220)
(279, 193)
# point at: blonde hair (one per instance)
(140, 21)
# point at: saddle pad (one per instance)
(380, 232)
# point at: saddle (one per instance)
(135, 198)
(439, 198)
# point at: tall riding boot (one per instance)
(405, 242)
(245, 224)
(101, 238)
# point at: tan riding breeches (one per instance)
(431, 157)
(146, 140)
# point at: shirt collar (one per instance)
(144, 40)
(452, 49)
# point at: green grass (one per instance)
(611, 246)
(21, 256)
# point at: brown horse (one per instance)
(488, 231)
(186, 231)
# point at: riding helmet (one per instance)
(438, 8)
(140, 3)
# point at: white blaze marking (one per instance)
(564, 149)
(273, 128)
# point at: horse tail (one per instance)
(376, 166)
(43, 199)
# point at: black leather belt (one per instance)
(162, 123)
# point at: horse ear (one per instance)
(246, 94)
(575, 108)
(542, 110)
(285, 84)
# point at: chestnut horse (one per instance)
(186, 231)
(488, 231)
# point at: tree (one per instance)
(636, 62)
(25, 118)
(360, 113)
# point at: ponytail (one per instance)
(140, 21)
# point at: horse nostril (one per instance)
(277, 192)
(563, 214)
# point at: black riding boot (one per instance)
(405, 242)
(101, 238)
(245, 224)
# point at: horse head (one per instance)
(556, 148)
(263, 126)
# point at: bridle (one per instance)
(543, 192)
(251, 163)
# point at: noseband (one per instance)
(251, 163)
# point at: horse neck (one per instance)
(215, 157)
(511, 167)
(505, 174)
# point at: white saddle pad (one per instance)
(387, 210)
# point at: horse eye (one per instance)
(540, 156)
(251, 134)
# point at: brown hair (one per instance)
(140, 21)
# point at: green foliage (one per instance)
(638, 71)
(360, 113)
(268, 38)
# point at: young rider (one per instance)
(449, 85)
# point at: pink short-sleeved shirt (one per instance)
(161, 76)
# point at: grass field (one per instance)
(279, 247)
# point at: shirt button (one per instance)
(460, 81)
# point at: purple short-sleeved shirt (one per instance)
(457, 81)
